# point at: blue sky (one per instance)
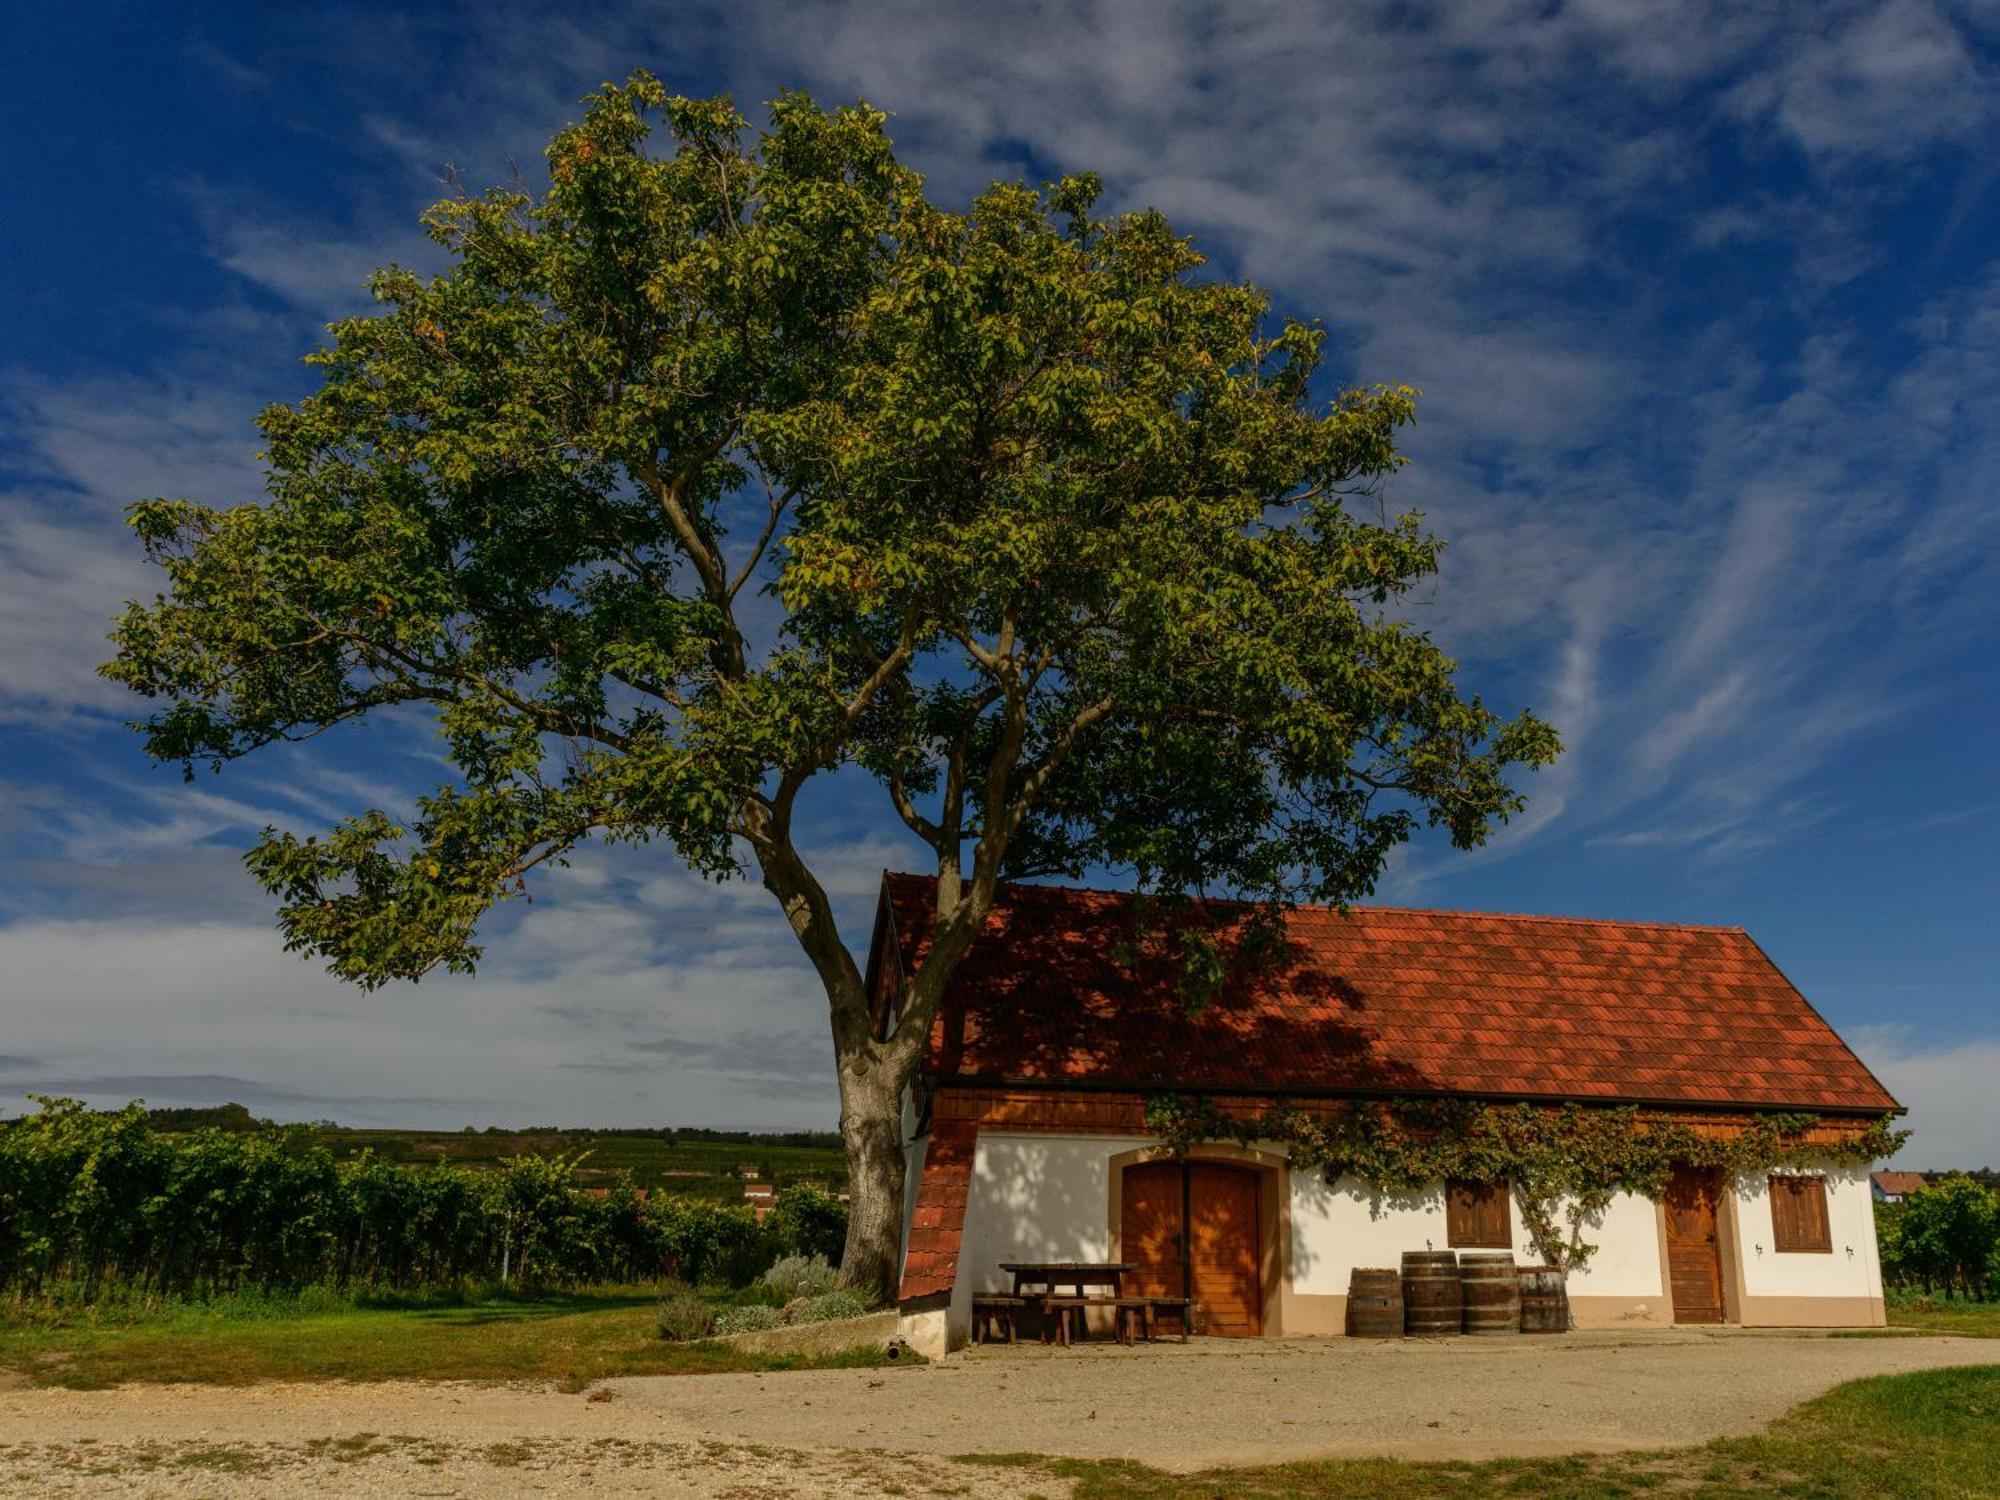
(1706, 309)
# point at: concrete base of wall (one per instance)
(1308, 1315)
(1302, 1314)
(1621, 1312)
(926, 1330)
(1814, 1312)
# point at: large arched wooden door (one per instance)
(1192, 1229)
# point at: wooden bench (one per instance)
(1131, 1317)
(1056, 1315)
(1180, 1307)
(995, 1313)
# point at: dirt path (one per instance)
(867, 1432)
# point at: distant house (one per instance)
(1894, 1187)
(1028, 1137)
(760, 1196)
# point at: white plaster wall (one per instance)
(1036, 1197)
(1335, 1229)
(1628, 1258)
(1854, 1269)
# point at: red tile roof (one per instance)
(938, 1220)
(1385, 1000)
(1900, 1184)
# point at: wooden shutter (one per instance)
(1475, 1216)
(1798, 1216)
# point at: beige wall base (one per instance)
(1814, 1312)
(1303, 1314)
(1621, 1312)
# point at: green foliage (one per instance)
(751, 1317)
(827, 1307)
(1564, 1164)
(810, 1219)
(93, 1203)
(1943, 1238)
(1054, 531)
(681, 1314)
(1058, 527)
(798, 1276)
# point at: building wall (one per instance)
(1335, 1229)
(1046, 1196)
(1841, 1289)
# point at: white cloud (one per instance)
(1949, 1090)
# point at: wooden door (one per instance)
(1150, 1229)
(1694, 1247)
(1223, 1250)
(1219, 1262)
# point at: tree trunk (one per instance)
(871, 1130)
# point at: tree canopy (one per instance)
(730, 461)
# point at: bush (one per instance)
(1943, 1238)
(808, 1220)
(829, 1306)
(799, 1276)
(748, 1319)
(681, 1315)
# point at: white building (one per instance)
(1028, 1136)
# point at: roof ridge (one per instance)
(1422, 911)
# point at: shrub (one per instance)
(808, 1220)
(828, 1306)
(1945, 1237)
(682, 1315)
(748, 1319)
(799, 1276)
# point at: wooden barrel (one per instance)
(1492, 1292)
(1432, 1299)
(1544, 1300)
(1375, 1304)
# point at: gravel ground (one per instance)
(867, 1432)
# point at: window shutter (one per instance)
(1475, 1216)
(1799, 1222)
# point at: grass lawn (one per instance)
(1980, 1320)
(572, 1339)
(1936, 1433)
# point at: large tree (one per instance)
(731, 461)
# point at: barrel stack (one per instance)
(1375, 1303)
(1433, 1298)
(1492, 1292)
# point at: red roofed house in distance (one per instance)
(1028, 1138)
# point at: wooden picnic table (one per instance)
(1053, 1275)
(1063, 1289)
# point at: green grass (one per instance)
(1980, 1320)
(571, 1339)
(1931, 1434)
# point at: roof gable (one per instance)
(1382, 1000)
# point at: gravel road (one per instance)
(855, 1432)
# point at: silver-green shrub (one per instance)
(799, 1276)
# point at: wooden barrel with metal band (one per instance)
(1375, 1303)
(1544, 1300)
(1492, 1292)
(1433, 1301)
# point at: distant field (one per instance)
(695, 1169)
